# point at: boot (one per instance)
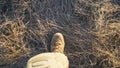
(57, 43)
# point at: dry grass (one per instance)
(12, 46)
(90, 27)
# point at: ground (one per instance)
(90, 27)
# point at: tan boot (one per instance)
(57, 43)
